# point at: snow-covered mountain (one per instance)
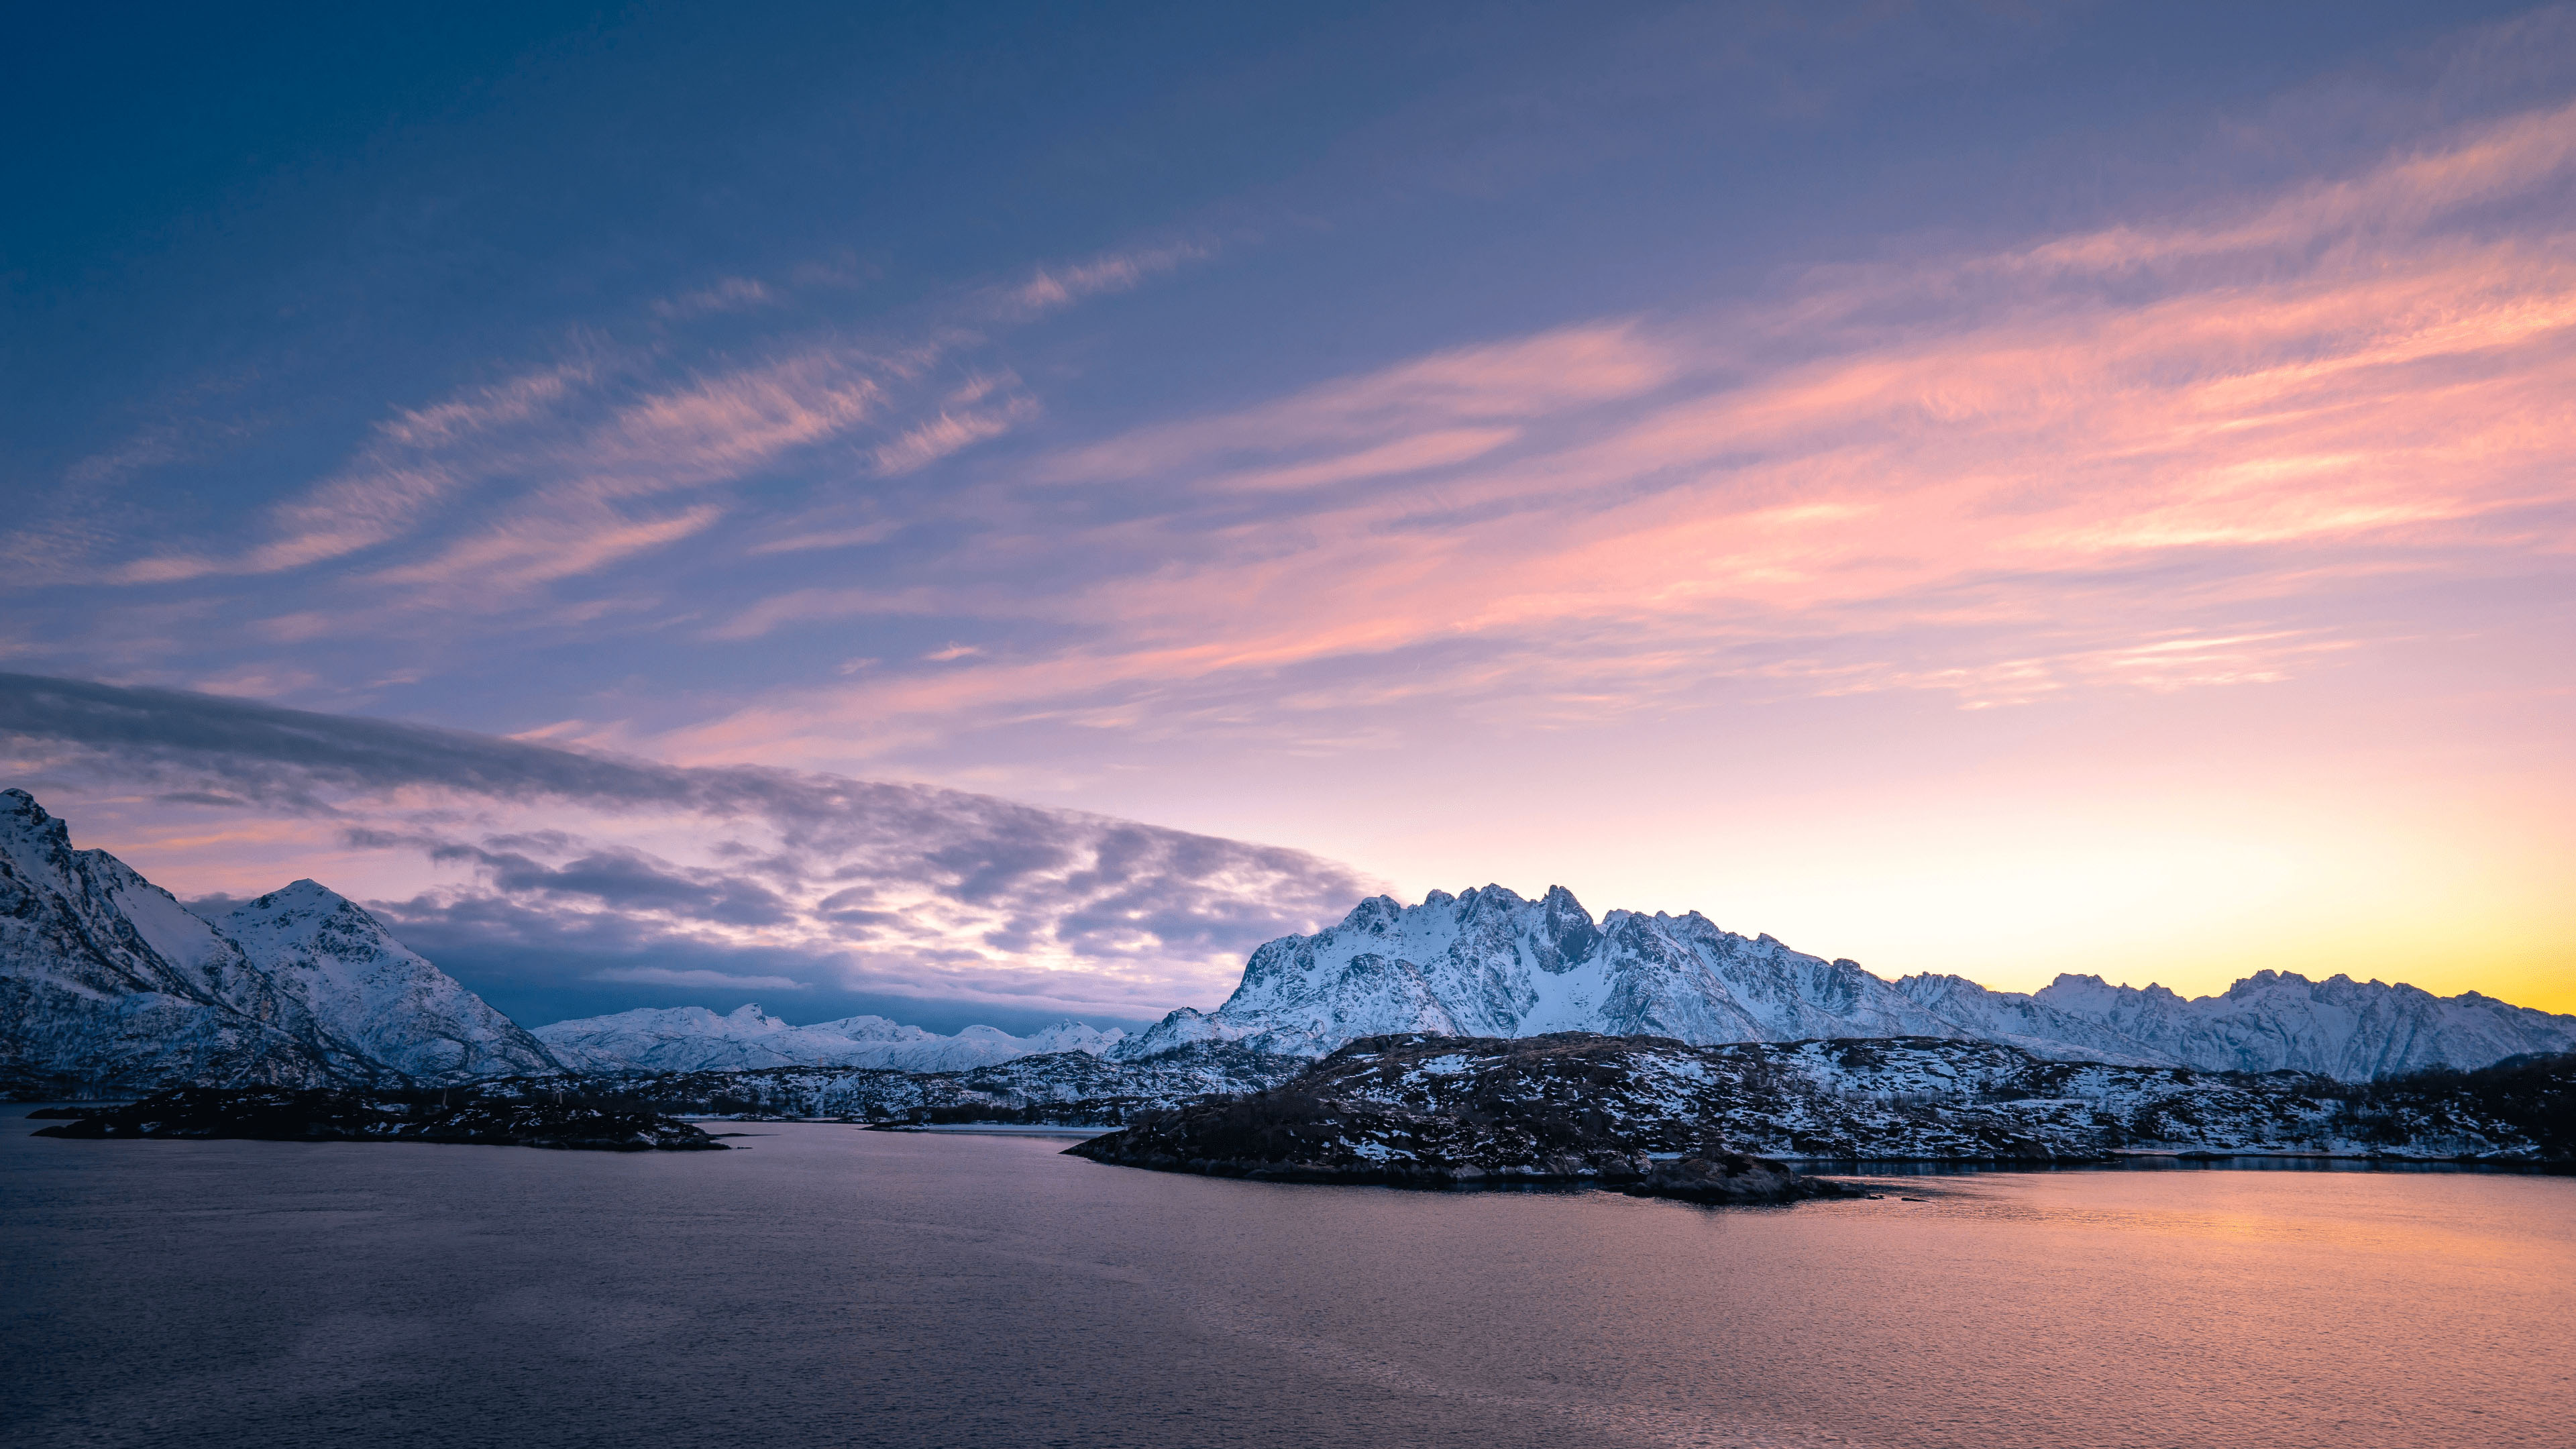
(694, 1039)
(356, 979)
(2355, 1030)
(108, 983)
(2017, 1019)
(1490, 963)
(2352, 1030)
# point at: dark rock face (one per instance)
(291, 1116)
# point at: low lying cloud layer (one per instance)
(641, 868)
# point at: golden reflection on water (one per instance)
(2439, 1216)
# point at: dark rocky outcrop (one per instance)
(270, 1115)
(1574, 1106)
(1732, 1177)
(2534, 1095)
(1326, 1126)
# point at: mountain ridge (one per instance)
(1488, 962)
(108, 983)
(696, 1039)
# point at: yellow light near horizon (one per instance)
(2192, 894)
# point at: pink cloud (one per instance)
(679, 441)
(1053, 287)
(417, 460)
(949, 432)
(2339, 375)
(1496, 383)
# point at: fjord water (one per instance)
(833, 1286)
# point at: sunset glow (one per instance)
(2142, 548)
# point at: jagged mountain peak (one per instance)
(302, 893)
(110, 983)
(387, 1000)
(21, 813)
(1490, 962)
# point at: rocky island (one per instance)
(1657, 1115)
(276, 1115)
(1524, 1116)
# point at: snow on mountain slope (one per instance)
(2354, 1030)
(362, 984)
(2014, 1018)
(107, 982)
(694, 1039)
(1488, 963)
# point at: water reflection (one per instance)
(851, 1287)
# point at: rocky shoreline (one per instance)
(271, 1115)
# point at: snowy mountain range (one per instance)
(694, 1039)
(108, 983)
(1488, 963)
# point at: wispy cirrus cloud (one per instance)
(950, 432)
(2057, 459)
(1062, 285)
(610, 493)
(572, 468)
(732, 294)
(416, 460)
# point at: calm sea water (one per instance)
(831, 1286)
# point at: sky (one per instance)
(988, 513)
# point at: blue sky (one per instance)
(1995, 488)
